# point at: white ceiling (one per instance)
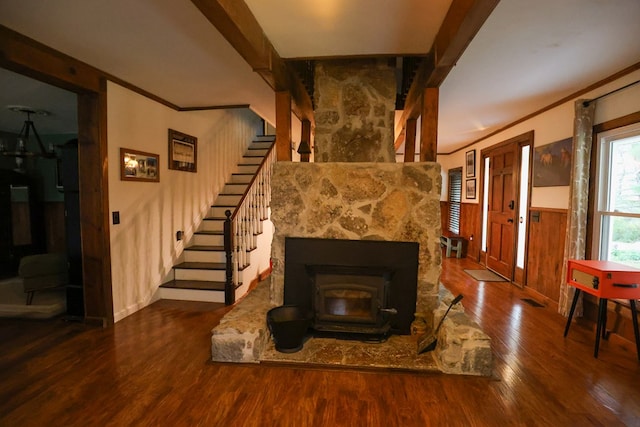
(528, 54)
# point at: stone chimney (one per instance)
(354, 113)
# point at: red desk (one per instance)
(605, 280)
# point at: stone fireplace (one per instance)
(359, 201)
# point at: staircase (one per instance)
(207, 272)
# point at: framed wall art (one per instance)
(471, 163)
(183, 151)
(471, 189)
(139, 166)
(552, 164)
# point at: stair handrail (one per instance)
(245, 222)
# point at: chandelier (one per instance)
(20, 148)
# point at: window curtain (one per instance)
(575, 241)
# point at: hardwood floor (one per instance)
(152, 369)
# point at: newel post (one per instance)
(229, 288)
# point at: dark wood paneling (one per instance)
(444, 215)
(469, 226)
(21, 221)
(54, 226)
(545, 251)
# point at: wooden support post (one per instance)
(283, 126)
(305, 141)
(410, 141)
(429, 127)
(305, 135)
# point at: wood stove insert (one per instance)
(353, 286)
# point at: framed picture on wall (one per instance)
(552, 164)
(139, 166)
(471, 189)
(183, 151)
(471, 163)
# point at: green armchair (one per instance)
(43, 271)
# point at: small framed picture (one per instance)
(471, 189)
(183, 151)
(471, 163)
(139, 166)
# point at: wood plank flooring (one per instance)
(153, 369)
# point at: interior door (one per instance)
(502, 209)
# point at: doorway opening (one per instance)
(40, 214)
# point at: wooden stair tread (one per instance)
(195, 284)
(205, 248)
(202, 265)
(209, 232)
(217, 266)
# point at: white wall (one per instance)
(552, 126)
(143, 245)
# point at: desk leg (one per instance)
(602, 324)
(576, 295)
(634, 316)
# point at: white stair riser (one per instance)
(241, 179)
(234, 188)
(205, 256)
(219, 211)
(255, 151)
(266, 143)
(195, 274)
(212, 225)
(191, 295)
(251, 160)
(207, 240)
(227, 200)
(247, 168)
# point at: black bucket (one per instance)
(288, 325)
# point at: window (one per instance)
(455, 197)
(617, 210)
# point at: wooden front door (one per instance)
(502, 209)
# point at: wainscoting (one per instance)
(545, 251)
(546, 245)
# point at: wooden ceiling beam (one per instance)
(234, 20)
(462, 22)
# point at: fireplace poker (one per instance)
(428, 342)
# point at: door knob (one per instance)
(510, 220)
